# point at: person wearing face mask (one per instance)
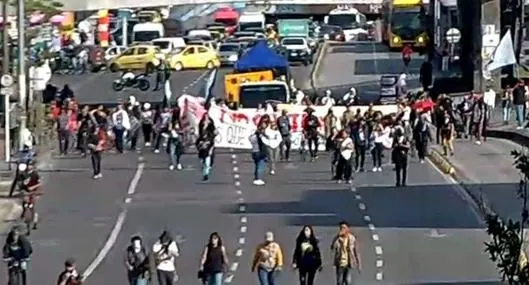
(69, 276)
(267, 260)
(307, 256)
(214, 261)
(138, 263)
(346, 257)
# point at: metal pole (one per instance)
(124, 30)
(5, 70)
(21, 73)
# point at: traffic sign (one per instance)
(7, 91)
(453, 36)
(6, 80)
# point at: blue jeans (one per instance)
(520, 116)
(215, 278)
(175, 152)
(266, 277)
(259, 161)
(507, 113)
(137, 280)
(206, 165)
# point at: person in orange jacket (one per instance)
(268, 260)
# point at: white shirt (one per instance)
(125, 119)
(168, 257)
(489, 97)
(328, 101)
(273, 138)
(346, 152)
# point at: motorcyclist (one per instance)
(16, 252)
(27, 156)
(328, 100)
(350, 97)
(407, 51)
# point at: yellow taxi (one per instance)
(144, 57)
(194, 56)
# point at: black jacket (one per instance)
(310, 260)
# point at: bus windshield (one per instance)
(342, 21)
(253, 96)
(406, 19)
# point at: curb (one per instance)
(316, 66)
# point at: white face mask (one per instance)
(136, 245)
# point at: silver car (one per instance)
(229, 53)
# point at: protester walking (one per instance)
(447, 135)
(377, 137)
(346, 257)
(330, 122)
(506, 104)
(310, 130)
(307, 256)
(121, 124)
(162, 122)
(422, 135)
(259, 153)
(214, 261)
(206, 145)
(401, 148)
(147, 120)
(479, 119)
(518, 100)
(63, 131)
(283, 123)
(174, 146)
(165, 252)
(360, 135)
(95, 145)
(138, 262)
(267, 260)
(272, 141)
(344, 167)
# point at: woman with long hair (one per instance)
(214, 261)
(206, 144)
(307, 256)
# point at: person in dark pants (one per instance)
(426, 75)
(307, 256)
(121, 123)
(422, 135)
(95, 144)
(310, 129)
(401, 147)
(344, 167)
(283, 122)
(360, 137)
(63, 131)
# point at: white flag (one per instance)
(504, 53)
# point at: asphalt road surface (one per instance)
(426, 233)
(361, 65)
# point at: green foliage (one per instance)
(504, 249)
(506, 243)
(48, 7)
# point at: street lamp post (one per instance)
(22, 73)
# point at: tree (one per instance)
(506, 245)
(48, 7)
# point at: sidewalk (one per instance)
(486, 172)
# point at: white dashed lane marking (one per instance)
(243, 220)
(379, 264)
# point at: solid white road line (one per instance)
(112, 238)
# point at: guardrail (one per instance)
(82, 5)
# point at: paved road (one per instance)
(361, 65)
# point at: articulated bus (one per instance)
(404, 23)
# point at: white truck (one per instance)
(146, 32)
(349, 19)
(251, 20)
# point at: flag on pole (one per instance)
(503, 55)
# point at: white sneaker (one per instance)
(179, 166)
(478, 142)
(422, 161)
(147, 144)
(272, 172)
(380, 169)
(156, 151)
(519, 128)
(375, 169)
(258, 182)
(171, 167)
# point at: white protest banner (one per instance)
(233, 136)
(247, 119)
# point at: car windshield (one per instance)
(344, 20)
(146, 36)
(293, 42)
(161, 45)
(253, 96)
(229, 48)
(250, 26)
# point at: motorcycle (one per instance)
(16, 270)
(21, 172)
(140, 81)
